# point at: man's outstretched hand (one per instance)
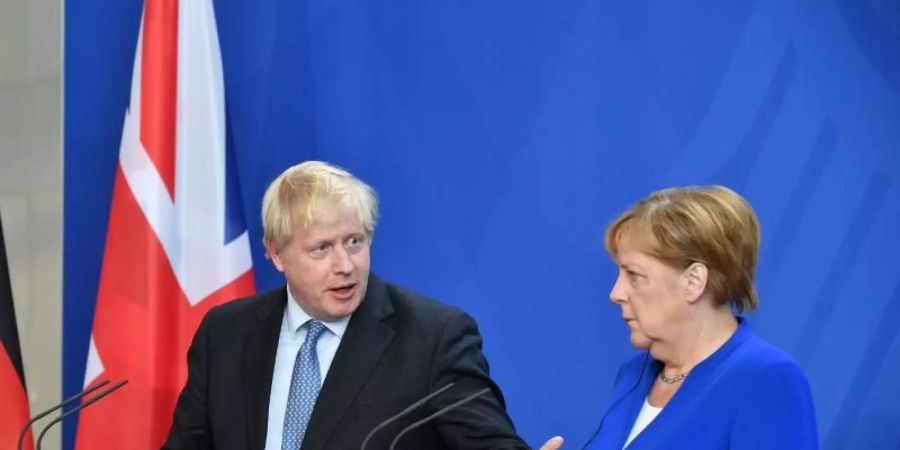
(553, 444)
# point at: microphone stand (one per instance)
(442, 411)
(65, 402)
(403, 413)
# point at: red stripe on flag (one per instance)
(14, 413)
(159, 69)
(143, 326)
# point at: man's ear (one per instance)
(696, 276)
(272, 252)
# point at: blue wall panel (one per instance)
(503, 136)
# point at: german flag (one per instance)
(14, 413)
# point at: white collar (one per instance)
(297, 317)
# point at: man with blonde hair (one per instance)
(322, 361)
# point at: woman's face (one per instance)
(652, 295)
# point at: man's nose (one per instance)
(342, 263)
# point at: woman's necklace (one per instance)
(673, 380)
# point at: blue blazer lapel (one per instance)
(679, 408)
(632, 385)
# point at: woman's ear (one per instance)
(696, 277)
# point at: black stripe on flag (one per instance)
(9, 334)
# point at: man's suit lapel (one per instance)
(366, 338)
(258, 363)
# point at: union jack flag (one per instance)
(176, 244)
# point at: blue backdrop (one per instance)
(502, 137)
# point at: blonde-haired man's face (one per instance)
(326, 267)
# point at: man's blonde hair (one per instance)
(712, 225)
(310, 193)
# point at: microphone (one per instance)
(74, 410)
(400, 414)
(440, 412)
(65, 402)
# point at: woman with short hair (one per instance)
(687, 258)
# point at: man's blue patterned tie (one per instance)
(305, 385)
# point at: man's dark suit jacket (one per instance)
(398, 348)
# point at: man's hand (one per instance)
(553, 443)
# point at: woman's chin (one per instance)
(640, 341)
